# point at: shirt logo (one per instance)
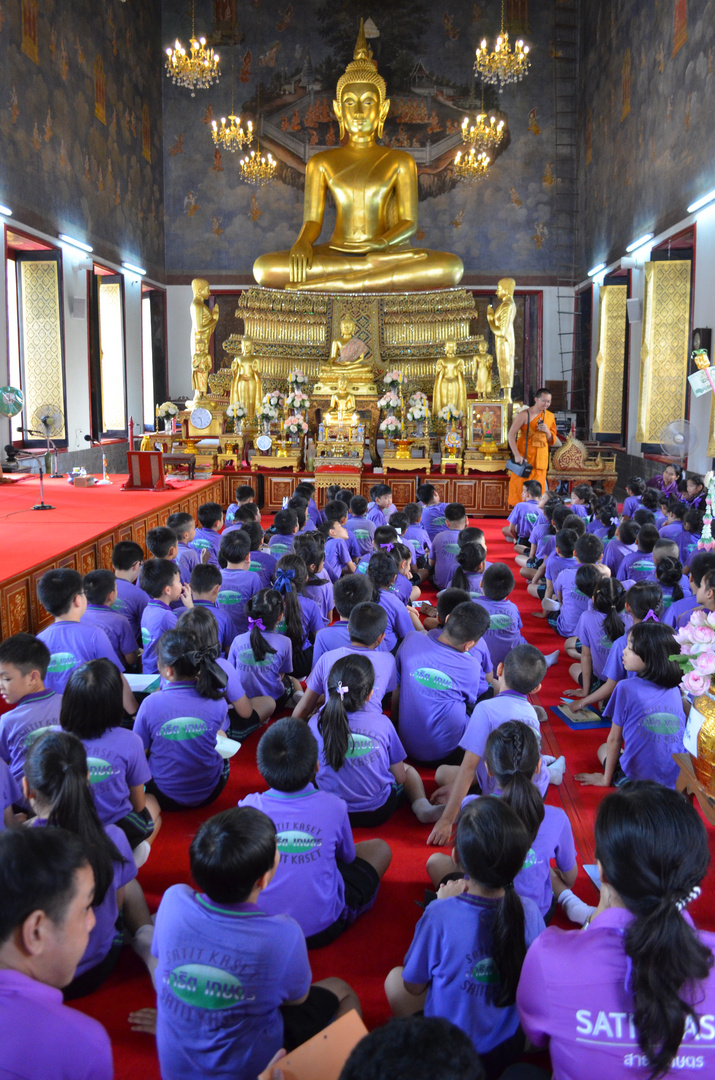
(643, 566)
(441, 520)
(662, 723)
(118, 605)
(360, 746)
(182, 728)
(451, 549)
(255, 567)
(146, 637)
(199, 542)
(432, 679)
(61, 661)
(532, 518)
(99, 770)
(485, 971)
(280, 547)
(206, 987)
(361, 534)
(293, 842)
(500, 622)
(605, 642)
(530, 859)
(33, 736)
(247, 657)
(229, 597)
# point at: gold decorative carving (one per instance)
(608, 407)
(573, 462)
(664, 347)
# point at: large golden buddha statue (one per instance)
(375, 192)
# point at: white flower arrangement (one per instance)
(417, 412)
(449, 413)
(297, 377)
(297, 401)
(390, 400)
(269, 412)
(237, 411)
(391, 427)
(296, 425)
(168, 408)
(418, 398)
(392, 378)
(274, 399)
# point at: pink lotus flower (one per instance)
(711, 618)
(705, 662)
(699, 618)
(685, 648)
(703, 635)
(695, 683)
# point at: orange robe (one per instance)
(537, 454)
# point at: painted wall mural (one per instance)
(648, 118)
(286, 59)
(80, 122)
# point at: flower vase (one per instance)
(420, 429)
(167, 425)
(266, 427)
(699, 737)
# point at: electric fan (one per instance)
(48, 421)
(678, 439)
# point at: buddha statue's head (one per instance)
(342, 384)
(450, 348)
(247, 346)
(481, 344)
(347, 327)
(361, 104)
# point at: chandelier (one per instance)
(471, 166)
(232, 136)
(257, 168)
(503, 65)
(199, 69)
(482, 135)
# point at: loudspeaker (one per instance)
(635, 310)
(79, 307)
(702, 339)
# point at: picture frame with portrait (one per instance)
(485, 419)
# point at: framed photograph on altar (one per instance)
(487, 420)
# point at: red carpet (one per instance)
(365, 954)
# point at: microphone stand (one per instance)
(41, 505)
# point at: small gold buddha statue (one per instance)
(482, 369)
(374, 188)
(501, 324)
(246, 386)
(449, 386)
(343, 403)
(347, 361)
(203, 324)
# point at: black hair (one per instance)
(201, 623)
(180, 523)
(331, 492)
(98, 584)
(628, 532)
(350, 683)
(399, 521)
(38, 869)
(497, 581)
(649, 499)
(565, 542)
(246, 513)
(56, 590)
(583, 492)
(533, 488)
(244, 492)
(345, 495)
(204, 578)
(708, 580)
(161, 540)
(335, 510)
(358, 505)
(382, 571)
(286, 522)
(402, 553)
(266, 605)
(575, 524)
(636, 485)
(492, 844)
(541, 391)
(608, 518)
(448, 600)
(470, 558)
(291, 577)
(512, 754)
(181, 651)
(366, 623)
(643, 597)
(697, 479)
(425, 493)
(587, 578)
(550, 509)
(287, 755)
(300, 509)
(350, 590)
(558, 517)
(424, 1047)
(307, 487)
(653, 849)
(56, 771)
(209, 513)
(455, 511)
(231, 852)
(25, 652)
(700, 564)
(654, 643)
(609, 599)
(693, 520)
(384, 539)
(126, 554)
(413, 512)
(470, 534)
(235, 546)
(677, 508)
(524, 669)
(254, 532)
(378, 490)
(92, 699)
(644, 517)
(588, 548)
(468, 621)
(607, 503)
(648, 537)
(155, 575)
(669, 572)
(311, 549)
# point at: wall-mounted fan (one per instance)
(48, 421)
(678, 439)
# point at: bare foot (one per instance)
(425, 812)
(441, 795)
(538, 614)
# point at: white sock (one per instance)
(541, 714)
(556, 770)
(552, 658)
(425, 812)
(141, 943)
(141, 853)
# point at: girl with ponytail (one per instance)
(598, 627)
(622, 544)
(263, 657)
(471, 564)
(669, 573)
(469, 946)
(56, 785)
(302, 618)
(382, 571)
(361, 758)
(635, 993)
(180, 723)
(318, 586)
(404, 588)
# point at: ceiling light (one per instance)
(74, 243)
(701, 202)
(597, 269)
(640, 241)
(134, 269)
(5, 210)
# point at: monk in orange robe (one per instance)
(542, 437)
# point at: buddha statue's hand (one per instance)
(301, 260)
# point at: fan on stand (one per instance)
(48, 421)
(678, 439)
(11, 402)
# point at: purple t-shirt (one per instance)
(156, 619)
(437, 683)
(524, 517)
(237, 588)
(24, 723)
(311, 618)
(680, 608)
(579, 509)
(487, 716)
(547, 545)
(280, 545)
(130, 602)
(224, 971)
(376, 515)
(554, 840)
(614, 668)
(186, 560)
(481, 654)
(399, 623)
(116, 761)
(667, 591)
(9, 791)
(337, 556)
(226, 632)
(446, 550)
(573, 997)
(504, 633)
(653, 724)
(402, 588)
(322, 595)
(433, 520)
(637, 566)
(363, 530)
(598, 529)
(671, 532)
(383, 665)
(264, 565)
(591, 632)
(179, 727)
(42, 1037)
(115, 625)
(207, 540)
(452, 951)
(573, 602)
(364, 780)
(333, 637)
(631, 504)
(417, 538)
(615, 553)
(556, 563)
(687, 546)
(312, 833)
(538, 536)
(262, 676)
(72, 644)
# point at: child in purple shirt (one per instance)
(689, 538)
(187, 557)
(10, 793)
(318, 586)
(638, 565)
(525, 514)
(581, 496)
(561, 559)
(416, 532)
(263, 657)
(101, 592)
(468, 573)
(323, 880)
(206, 581)
(598, 628)
(504, 633)
(127, 558)
(161, 581)
(447, 601)
(286, 527)
(634, 491)
(348, 592)
(207, 537)
(243, 496)
(381, 495)
(382, 572)
(359, 525)
(433, 520)
(24, 660)
(589, 552)
(445, 545)
(238, 584)
(302, 618)
(162, 542)
(623, 543)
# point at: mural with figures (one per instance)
(281, 61)
(80, 122)
(648, 93)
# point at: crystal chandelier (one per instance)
(257, 168)
(199, 69)
(484, 134)
(232, 136)
(503, 65)
(471, 166)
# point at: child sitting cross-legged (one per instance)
(263, 564)
(341, 548)
(24, 660)
(244, 495)
(263, 657)
(504, 633)
(524, 516)
(601, 625)
(286, 527)
(638, 565)
(445, 545)
(207, 537)
(302, 618)
(101, 591)
(382, 571)
(447, 601)
(127, 558)
(184, 528)
(589, 552)
(561, 559)
(471, 565)
(255, 965)
(160, 579)
(323, 880)
(206, 582)
(238, 583)
(349, 591)
(361, 758)
(359, 525)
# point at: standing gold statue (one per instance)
(375, 192)
(501, 323)
(203, 324)
(246, 384)
(482, 369)
(449, 386)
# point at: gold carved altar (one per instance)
(573, 463)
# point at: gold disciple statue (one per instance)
(482, 369)
(375, 192)
(203, 324)
(449, 386)
(501, 324)
(246, 384)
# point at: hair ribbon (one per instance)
(614, 520)
(651, 615)
(284, 580)
(256, 622)
(387, 547)
(342, 690)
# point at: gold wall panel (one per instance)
(608, 406)
(711, 436)
(41, 337)
(664, 347)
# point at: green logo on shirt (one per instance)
(248, 658)
(360, 746)
(432, 679)
(530, 859)
(146, 637)
(118, 605)
(33, 736)
(662, 723)
(441, 520)
(293, 842)
(485, 971)
(642, 565)
(605, 642)
(199, 542)
(61, 661)
(228, 597)
(500, 622)
(283, 548)
(99, 770)
(451, 549)
(182, 728)
(361, 534)
(255, 567)
(532, 518)
(206, 987)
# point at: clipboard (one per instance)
(323, 1056)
